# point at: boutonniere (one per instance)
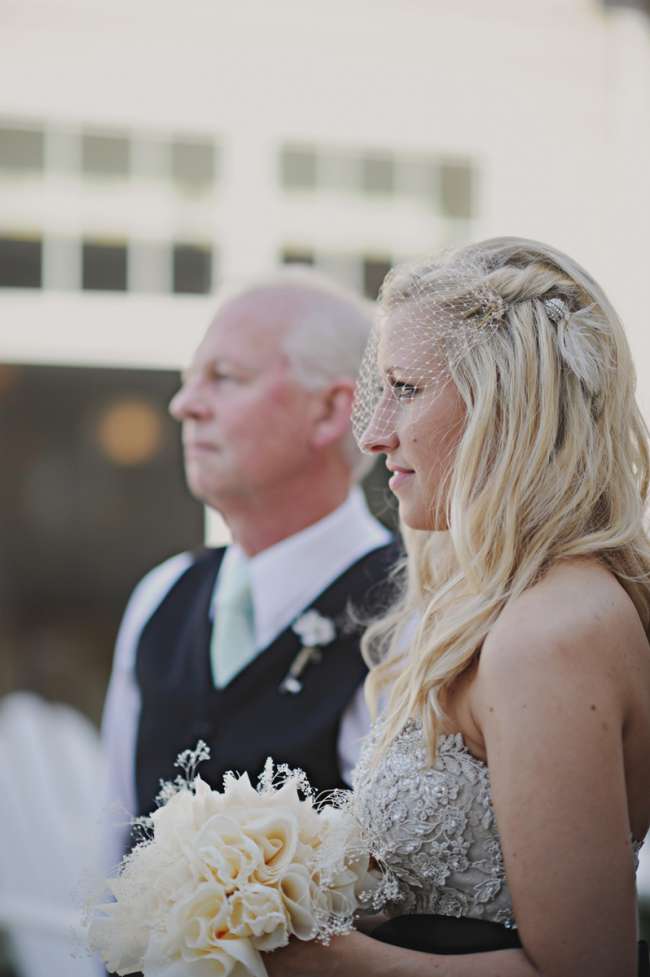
(314, 631)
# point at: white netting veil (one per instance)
(429, 315)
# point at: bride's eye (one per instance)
(402, 391)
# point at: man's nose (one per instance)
(188, 403)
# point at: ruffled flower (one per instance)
(228, 874)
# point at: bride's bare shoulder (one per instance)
(578, 611)
(570, 647)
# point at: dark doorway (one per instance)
(92, 496)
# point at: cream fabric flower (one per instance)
(227, 852)
(276, 834)
(228, 874)
(225, 958)
(296, 894)
(258, 912)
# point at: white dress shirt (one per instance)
(285, 578)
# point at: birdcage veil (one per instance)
(430, 314)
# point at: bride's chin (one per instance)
(416, 517)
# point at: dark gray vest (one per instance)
(250, 719)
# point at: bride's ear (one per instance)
(332, 417)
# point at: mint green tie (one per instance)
(233, 634)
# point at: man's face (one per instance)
(246, 422)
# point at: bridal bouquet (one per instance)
(223, 875)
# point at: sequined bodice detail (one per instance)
(434, 827)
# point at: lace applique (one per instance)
(434, 827)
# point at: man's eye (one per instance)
(403, 391)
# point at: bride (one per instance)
(507, 782)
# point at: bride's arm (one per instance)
(357, 955)
(552, 696)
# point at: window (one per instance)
(105, 155)
(298, 256)
(191, 269)
(445, 186)
(298, 168)
(377, 174)
(456, 189)
(21, 149)
(103, 266)
(21, 261)
(193, 163)
(642, 5)
(374, 272)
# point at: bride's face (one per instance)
(417, 423)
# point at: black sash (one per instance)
(449, 935)
(446, 934)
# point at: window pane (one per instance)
(298, 168)
(103, 266)
(374, 272)
(297, 256)
(193, 163)
(192, 269)
(105, 155)
(643, 5)
(377, 174)
(20, 263)
(21, 149)
(456, 189)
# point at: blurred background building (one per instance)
(151, 150)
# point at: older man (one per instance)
(249, 647)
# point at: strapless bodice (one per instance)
(434, 827)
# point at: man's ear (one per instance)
(332, 419)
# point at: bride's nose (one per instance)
(380, 435)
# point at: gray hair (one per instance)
(329, 327)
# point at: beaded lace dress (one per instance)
(434, 827)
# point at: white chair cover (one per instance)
(51, 783)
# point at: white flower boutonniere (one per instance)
(314, 631)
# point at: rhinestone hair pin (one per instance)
(556, 309)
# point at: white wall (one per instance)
(552, 99)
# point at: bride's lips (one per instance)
(399, 477)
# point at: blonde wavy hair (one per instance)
(552, 464)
